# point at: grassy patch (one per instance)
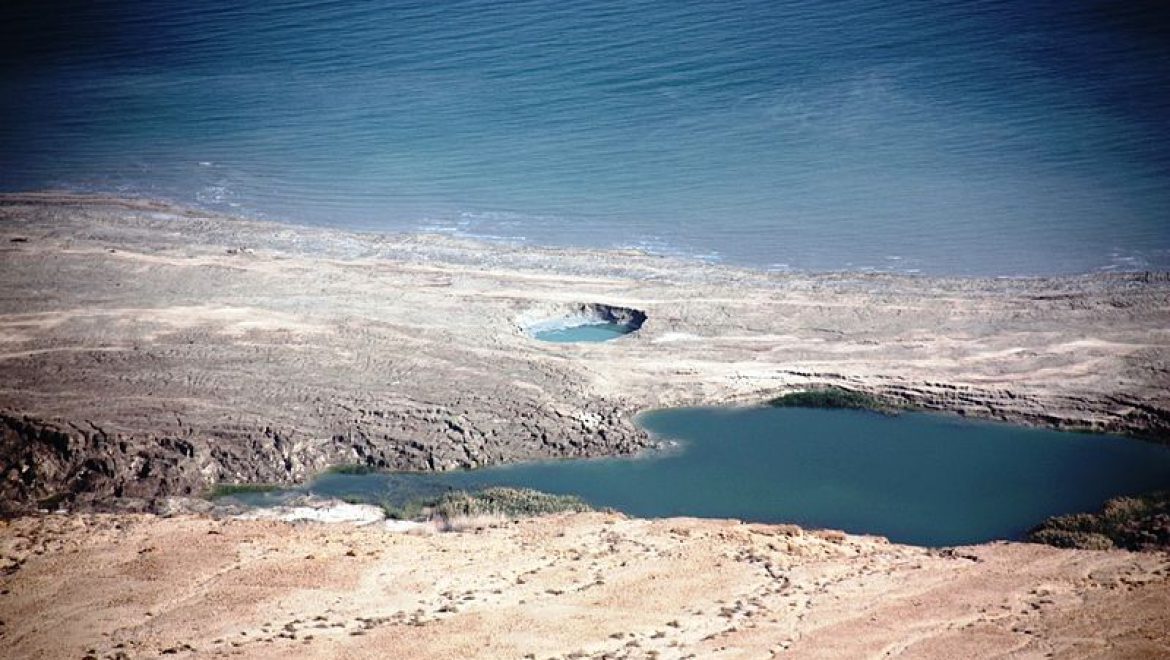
(832, 397)
(500, 502)
(1133, 523)
(507, 502)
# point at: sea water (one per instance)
(971, 137)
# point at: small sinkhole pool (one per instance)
(589, 332)
(915, 478)
(591, 322)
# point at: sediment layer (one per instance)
(151, 351)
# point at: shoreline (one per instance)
(83, 195)
(231, 351)
(153, 352)
(163, 205)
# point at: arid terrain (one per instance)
(149, 352)
(584, 585)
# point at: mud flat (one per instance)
(150, 351)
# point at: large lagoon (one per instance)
(915, 478)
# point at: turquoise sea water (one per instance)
(915, 478)
(948, 137)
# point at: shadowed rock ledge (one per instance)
(151, 351)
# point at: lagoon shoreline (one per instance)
(153, 351)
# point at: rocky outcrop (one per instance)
(556, 317)
(1118, 414)
(629, 317)
(47, 465)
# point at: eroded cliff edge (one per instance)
(151, 351)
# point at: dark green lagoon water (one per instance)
(590, 332)
(915, 478)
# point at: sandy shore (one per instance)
(584, 585)
(150, 351)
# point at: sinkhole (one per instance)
(586, 322)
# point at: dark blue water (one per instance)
(588, 332)
(914, 478)
(999, 137)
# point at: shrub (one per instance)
(507, 502)
(832, 397)
(459, 509)
(1133, 523)
(1062, 538)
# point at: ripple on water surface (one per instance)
(992, 138)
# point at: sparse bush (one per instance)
(832, 397)
(457, 510)
(1133, 523)
(508, 502)
(1062, 538)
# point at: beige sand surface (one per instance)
(583, 585)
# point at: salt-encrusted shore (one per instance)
(152, 351)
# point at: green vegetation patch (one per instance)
(832, 397)
(499, 501)
(1133, 523)
(508, 502)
